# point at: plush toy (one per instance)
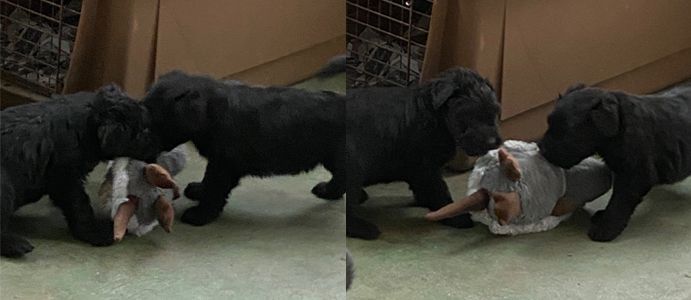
(514, 190)
(132, 193)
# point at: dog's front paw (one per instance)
(360, 228)
(14, 246)
(605, 232)
(194, 191)
(596, 218)
(325, 191)
(199, 216)
(460, 221)
(98, 234)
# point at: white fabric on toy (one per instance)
(126, 177)
(540, 186)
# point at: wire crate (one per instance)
(386, 41)
(37, 37)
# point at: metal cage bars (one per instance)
(37, 39)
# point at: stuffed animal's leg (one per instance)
(473, 202)
(122, 217)
(430, 190)
(564, 206)
(165, 213)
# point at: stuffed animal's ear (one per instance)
(441, 92)
(605, 115)
(509, 165)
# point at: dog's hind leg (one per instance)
(11, 245)
(69, 195)
(431, 191)
(336, 187)
(356, 226)
(609, 223)
(219, 180)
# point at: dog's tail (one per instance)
(350, 269)
(336, 65)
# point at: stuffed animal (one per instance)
(514, 190)
(132, 193)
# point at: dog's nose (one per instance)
(541, 148)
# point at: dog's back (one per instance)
(261, 130)
(282, 130)
(388, 128)
(38, 136)
(663, 121)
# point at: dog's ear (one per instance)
(114, 116)
(441, 92)
(110, 92)
(111, 135)
(573, 88)
(605, 115)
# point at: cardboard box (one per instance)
(531, 50)
(131, 42)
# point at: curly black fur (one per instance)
(644, 140)
(350, 270)
(244, 130)
(408, 134)
(49, 148)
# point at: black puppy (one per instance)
(645, 140)
(408, 134)
(49, 147)
(244, 130)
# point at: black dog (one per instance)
(408, 134)
(50, 147)
(244, 130)
(645, 140)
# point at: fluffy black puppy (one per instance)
(645, 140)
(408, 134)
(49, 147)
(244, 130)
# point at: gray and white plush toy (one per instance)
(514, 190)
(133, 193)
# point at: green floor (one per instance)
(415, 259)
(274, 241)
(277, 241)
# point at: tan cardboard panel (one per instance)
(473, 37)
(115, 43)
(531, 124)
(226, 37)
(294, 67)
(550, 44)
(430, 64)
